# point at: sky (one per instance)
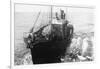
(81, 18)
(30, 8)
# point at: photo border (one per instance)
(12, 41)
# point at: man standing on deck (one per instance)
(62, 14)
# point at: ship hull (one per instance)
(49, 52)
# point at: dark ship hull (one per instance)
(49, 52)
(54, 48)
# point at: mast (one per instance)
(51, 14)
(32, 30)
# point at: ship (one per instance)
(51, 45)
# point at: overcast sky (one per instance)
(81, 18)
(31, 8)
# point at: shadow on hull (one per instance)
(49, 52)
